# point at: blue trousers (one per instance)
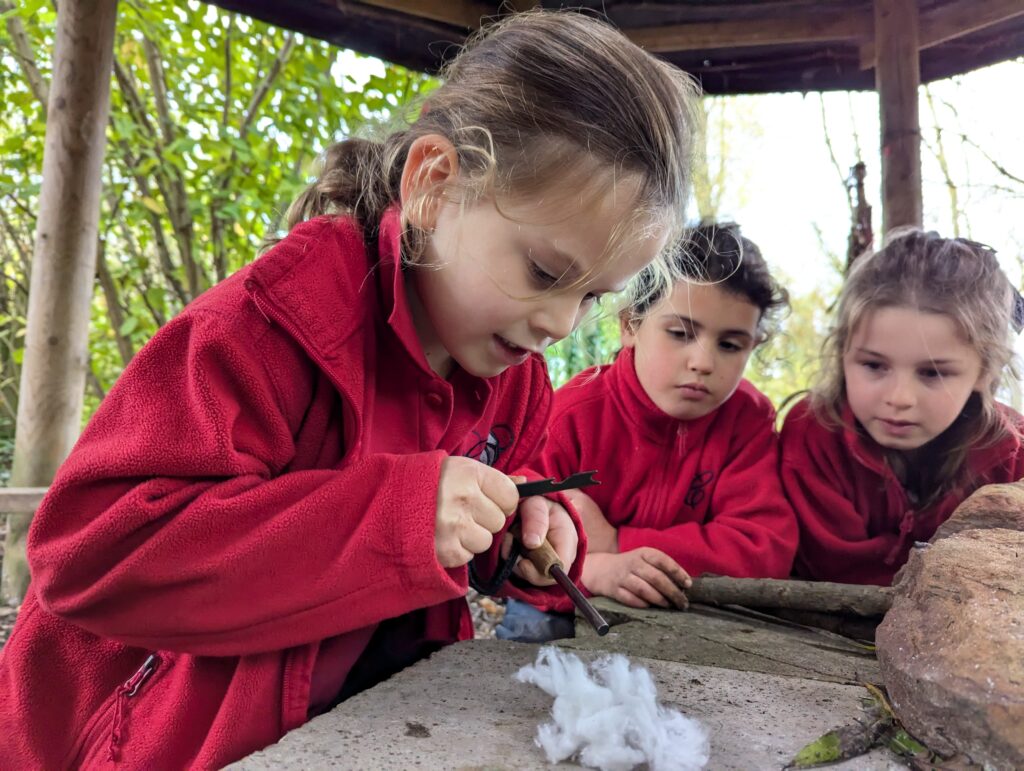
(524, 623)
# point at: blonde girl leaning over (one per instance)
(277, 504)
(903, 424)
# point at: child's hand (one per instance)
(473, 503)
(542, 517)
(601, 535)
(638, 578)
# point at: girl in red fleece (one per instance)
(276, 505)
(904, 424)
(685, 448)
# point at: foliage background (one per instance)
(216, 123)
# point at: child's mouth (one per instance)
(898, 427)
(511, 352)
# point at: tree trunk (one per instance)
(64, 261)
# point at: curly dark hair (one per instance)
(716, 253)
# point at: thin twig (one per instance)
(26, 57)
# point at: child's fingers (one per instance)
(562, 534)
(476, 539)
(629, 599)
(645, 591)
(534, 520)
(664, 584)
(499, 488)
(451, 554)
(668, 566)
(526, 570)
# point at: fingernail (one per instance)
(532, 541)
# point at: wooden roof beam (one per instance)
(458, 13)
(948, 22)
(803, 28)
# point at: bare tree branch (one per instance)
(93, 381)
(23, 209)
(843, 176)
(26, 56)
(171, 189)
(158, 317)
(227, 68)
(217, 221)
(939, 151)
(853, 127)
(132, 98)
(113, 298)
(995, 164)
(156, 225)
(169, 178)
(264, 87)
(24, 252)
(158, 82)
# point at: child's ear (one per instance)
(430, 166)
(627, 329)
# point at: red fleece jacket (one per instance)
(706, 492)
(254, 497)
(857, 522)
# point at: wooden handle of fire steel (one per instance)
(544, 557)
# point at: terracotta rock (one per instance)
(951, 649)
(990, 506)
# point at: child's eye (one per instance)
(679, 334)
(730, 346)
(931, 374)
(873, 366)
(541, 276)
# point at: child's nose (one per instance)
(556, 318)
(701, 358)
(901, 393)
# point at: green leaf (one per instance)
(29, 8)
(18, 355)
(826, 749)
(153, 205)
(903, 743)
(130, 325)
(155, 297)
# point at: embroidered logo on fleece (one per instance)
(488, 450)
(695, 495)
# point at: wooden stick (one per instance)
(855, 599)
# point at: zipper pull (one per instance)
(128, 688)
(132, 684)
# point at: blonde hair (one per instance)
(954, 277)
(531, 99)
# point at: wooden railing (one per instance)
(20, 500)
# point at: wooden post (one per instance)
(64, 261)
(897, 77)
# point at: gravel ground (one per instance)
(487, 614)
